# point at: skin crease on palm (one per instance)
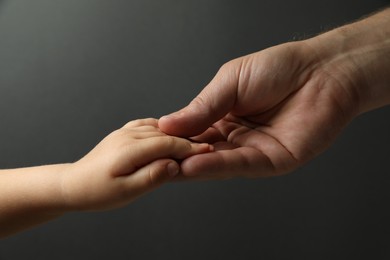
(293, 111)
(265, 114)
(270, 112)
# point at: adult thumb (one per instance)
(215, 101)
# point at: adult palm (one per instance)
(267, 113)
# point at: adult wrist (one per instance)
(358, 55)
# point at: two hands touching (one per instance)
(265, 114)
(129, 162)
(270, 112)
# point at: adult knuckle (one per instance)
(231, 66)
(201, 100)
(226, 66)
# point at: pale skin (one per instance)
(265, 114)
(269, 112)
(129, 162)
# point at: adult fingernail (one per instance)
(173, 115)
(173, 169)
(165, 117)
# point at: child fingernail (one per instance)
(209, 147)
(173, 169)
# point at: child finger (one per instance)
(135, 155)
(151, 176)
(142, 122)
(167, 147)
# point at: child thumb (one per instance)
(152, 175)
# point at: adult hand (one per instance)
(269, 112)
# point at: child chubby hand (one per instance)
(129, 162)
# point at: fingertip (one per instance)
(166, 118)
(202, 147)
(153, 175)
(197, 148)
(189, 121)
(173, 169)
(170, 124)
(171, 117)
(164, 170)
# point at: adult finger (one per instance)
(138, 154)
(215, 101)
(222, 164)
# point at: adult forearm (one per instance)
(30, 196)
(361, 52)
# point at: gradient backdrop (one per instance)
(72, 71)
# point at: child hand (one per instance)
(130, 161)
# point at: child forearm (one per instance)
(30, 196)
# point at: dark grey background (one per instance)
(72, 71)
